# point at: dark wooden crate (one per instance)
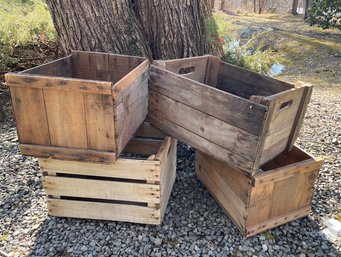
(136, 188)
(85, 106)
(281, 193)
(235, 115)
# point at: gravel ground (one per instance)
(194, 224)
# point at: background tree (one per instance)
(158, 29)
(325, 13)
(294, 7)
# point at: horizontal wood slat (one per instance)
(103, 211)
(91, 188)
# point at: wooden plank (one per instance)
(122, 168)
(253, 79)
(223, 193)
(240, 112)
(101, 189)
(146, 130)
(212, 129)
(212, 71)
(103, 211)
(133, 80)
(308, 89)
(287, 171)
(67, 153)
(99, 119)
(266, 124)
(199, 142)
(238, 88)
(237, 181)
(61, 68)
(277, 221)
(30, 115)
(143, 146)
(168, 176)
(260, 204)
(66, 119)
(130, 114)
(192, 68)
(121, 65)
(58, 83)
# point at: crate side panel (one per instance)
(30, 115)
(212, 71)
(168, 175)
(251, 83)
(103, 211)
(212, 129)
(120, 66)
(239, 182)
(236, 111)
(130, 113)
(100, 189)
(260, 204)
(94, 66)
(198, 142)
(282, 123)
(122, 168)
(60, 68)
(66, 118)
(293, 193)
(99, 118)
(221, 191)
(192, 68)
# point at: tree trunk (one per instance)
(307, 4)
(294, 7)
(157, 29)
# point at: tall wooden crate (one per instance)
(134, 189)
(83, 107)
(280, 193)
(232, 114)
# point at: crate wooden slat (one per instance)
(131, 190)
(235, 115)
(84, 107)
(281, 193)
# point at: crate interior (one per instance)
(286, 158)
(89, 66)
(226, 77)
(145, 144)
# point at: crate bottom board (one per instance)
(104, 211)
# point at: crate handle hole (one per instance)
(286, 104)
(186, 70)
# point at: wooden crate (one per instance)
(235, 115)
(131, 190)
(83, 107)
(281, 193)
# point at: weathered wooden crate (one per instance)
(134, 189)
(84, 107)
(281, 193)
(235, 115)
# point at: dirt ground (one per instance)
(310, 54)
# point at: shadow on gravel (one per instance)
(194, 225)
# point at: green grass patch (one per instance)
(22, 21)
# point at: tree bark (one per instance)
(294, 7)
(307, 4)
(157, 29)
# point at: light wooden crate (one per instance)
(83, 107)
(281, 193)
(235, 115)
(134, 189)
